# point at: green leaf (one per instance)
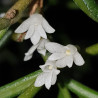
(63, 92)
(81, 90)
(15, 88)
(5, 37)
(89, 7)
(93, 50)
(30, 92)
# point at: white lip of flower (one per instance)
(40, 48)
(64, 55)
(36, 26)
(48, 76)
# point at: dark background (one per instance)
(72, 26)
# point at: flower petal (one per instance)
(27, 57)
(50, 63)
(69, 61)
(31, 50)
(72, 48)
(48, 80)
(35, 37)
(40, 80)
(56, 56)
(47, 27)
(29, 32)
(42, 32)
(61, 63)
(23, 27)
(42, 43)
(42, 51)
(78, 60)
(54, 47)
(54, 76)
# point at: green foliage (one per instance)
(24, 87)
(17, 87)
(63, 92)
(89, 7)
(93, 49)
(81, 90)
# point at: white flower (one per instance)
(40, 48)
(48, 76)
(65, 55)
(36, 26)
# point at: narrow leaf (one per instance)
(89, 7)
(30, 92)
(63, 92)
(81, 90)
(93, 50)
(16, 87)
(5, 38)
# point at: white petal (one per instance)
(54, 47)
(56, 56)
(27, 57)
(47, 27)
(48, 80)
(29, 32)
(61, 63)
(36, 18)
(50, 63)
(42, 51)
(31, 50)
(72, 48)
(69, 61)
(23, 27)
(42, 32)
(54, 76)
(35, 37)
(40, 80)
(42, 43)
(78, 60)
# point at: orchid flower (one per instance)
(36, 27)
(64, 55)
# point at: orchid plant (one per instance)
(57, 57)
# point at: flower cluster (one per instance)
(61, 56)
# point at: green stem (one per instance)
(18, 86)
(19, 7)
(81, 90)
(89, 7)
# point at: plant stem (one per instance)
(14, 13)
(18, 86)
(81, 90)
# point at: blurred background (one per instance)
(72, 26)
